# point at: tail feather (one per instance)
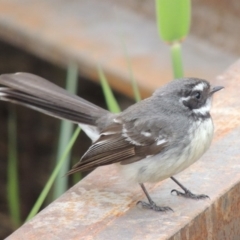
(37, 93)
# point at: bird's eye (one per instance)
(197, 95)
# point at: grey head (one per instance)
(190, 94)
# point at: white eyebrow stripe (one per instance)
(200, 86)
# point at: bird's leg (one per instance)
(151, 205)
(187, 193)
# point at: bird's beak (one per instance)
(215, 89)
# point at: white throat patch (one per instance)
(204, 109)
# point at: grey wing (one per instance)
(40, 94)
(124, 143)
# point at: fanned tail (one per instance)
(39, 94)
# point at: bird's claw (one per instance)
(188, 194)
(153, 206)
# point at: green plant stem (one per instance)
(12, 186)
(176, 53)
(53, 176)
(61, 184)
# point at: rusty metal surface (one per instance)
(91, 32)
(102, 206)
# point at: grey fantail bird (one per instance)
(151, 140)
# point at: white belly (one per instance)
(159, 167)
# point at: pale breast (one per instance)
(162, 166)
(201, 135)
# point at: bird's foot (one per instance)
(153, 206)
(188, 194)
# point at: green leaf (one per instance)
(173, 19)
(12, 185)
(53, 176)
(66, 129)
(108, 94)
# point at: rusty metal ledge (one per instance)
(102, 206)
